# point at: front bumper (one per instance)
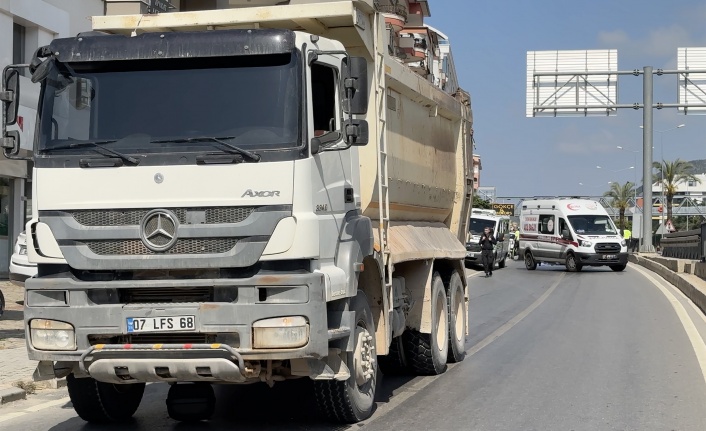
(603, 259)
(20, 272)
(99, 319)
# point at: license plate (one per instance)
(470, 254)
(608, 257)
(161, 324)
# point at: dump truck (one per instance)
(242, 195)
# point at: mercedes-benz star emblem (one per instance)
(159, 230)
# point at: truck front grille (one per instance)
(183, 246)
(165, 295)
(153, 338)
(133, 217)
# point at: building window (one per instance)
(18, 43)
(691, 183)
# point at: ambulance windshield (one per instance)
(592, 225)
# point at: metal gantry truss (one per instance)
(681, 205)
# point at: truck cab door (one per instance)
(333, 185)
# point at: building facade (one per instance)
(26, 25)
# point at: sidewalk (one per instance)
(15, 368)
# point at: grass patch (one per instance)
(28, 386)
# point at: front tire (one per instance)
(530, 263)
(458, 315)
(572, 264)
(99, 402)
(427, 353)
(353, 400)
(618, 268)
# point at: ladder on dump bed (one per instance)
(383, 177)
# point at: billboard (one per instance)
(572, 83)
(504, 209)
(692, 85)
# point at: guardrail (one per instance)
(688, 244)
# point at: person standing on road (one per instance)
(487, 243)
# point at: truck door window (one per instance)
(546, 224)
(323, 94)
(563, 226)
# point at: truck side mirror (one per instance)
(10, 95)
(565, 234)
(356, 132)
(354, 85)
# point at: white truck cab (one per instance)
(574, 232)
(500, 226)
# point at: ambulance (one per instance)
(499, 225)
(569, 231)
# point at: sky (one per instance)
(524, 157)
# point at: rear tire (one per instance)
(427, 353)
(395, 362)
(618, 268)
(2, 304)
(458, 314)
(353, 400)
(191, 402)
(530, 263)
(99, 402)
(501, 264)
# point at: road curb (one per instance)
(687, 282)
(9, 394)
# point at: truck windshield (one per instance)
(154, 106)
(477, 225)
(592, 225)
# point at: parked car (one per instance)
(20, 266)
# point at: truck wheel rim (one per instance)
(441, 322)
(364, 358)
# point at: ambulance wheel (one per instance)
(572, 263)
(501, 264)
(618, 268)
(530, 263)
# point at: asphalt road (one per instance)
(548, 350)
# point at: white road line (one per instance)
(423, 382)
(696, 341)
(680, 293)
(34, 409)
(515, 320)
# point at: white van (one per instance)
(500, 225)
(574, 232)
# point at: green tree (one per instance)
(671, 174)
(478, 202)
(620, 195)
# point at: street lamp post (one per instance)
(634, 188)
(661, 171)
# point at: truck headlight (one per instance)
(623, 243)
(586, 244)
(52, 335)
(280, 333)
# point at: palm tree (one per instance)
(671, 174)
(620, 195)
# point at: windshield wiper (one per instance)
(234, 150)
(98, 145)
